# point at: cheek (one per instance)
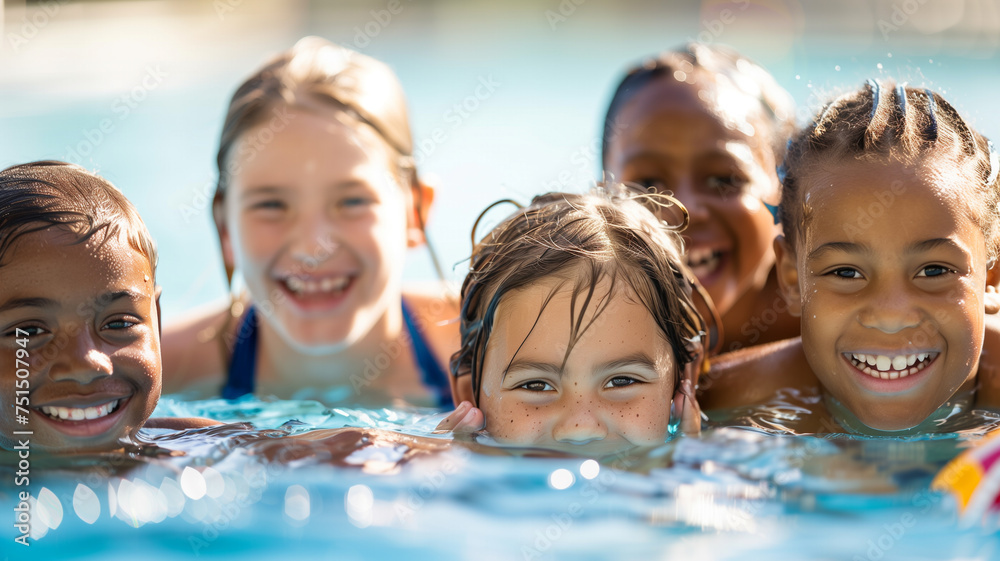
(513, 423)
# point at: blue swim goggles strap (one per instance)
(773, 209)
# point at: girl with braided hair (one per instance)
(889, 209)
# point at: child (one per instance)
(709, 126)
(79, 317)
(578, 327)
(890, 215)
(317, 202)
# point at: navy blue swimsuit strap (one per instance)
(243, 364)
(431, 373)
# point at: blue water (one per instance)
(732, 494)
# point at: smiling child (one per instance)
(890, 215)
(79, 317)
(578, 329)
(708, 126)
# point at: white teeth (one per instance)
(898, 362)
(79, 414)
(327, 284)
(883, 362)
(890, 368)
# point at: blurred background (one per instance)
(506, 98)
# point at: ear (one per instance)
(992, 296)
(423, 198)
(222, 228)
(159, 314)
(461, 389)
(684, 394)
(788, 275)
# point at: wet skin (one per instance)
(89, 313)
(906, 286)
(713, 157)
(612, 393)
(322, 241)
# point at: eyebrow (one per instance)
(108, 297)
(849, 247)
(15, 303)
(637, 359)
(274, 189)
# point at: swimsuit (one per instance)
(243, 365)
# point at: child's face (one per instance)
(891, 275)
(87, 315)
(318, 226)
(711, 155)
(613, 393)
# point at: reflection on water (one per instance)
(334, 477)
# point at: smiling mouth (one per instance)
(890, 367)
(326, 286)
(704, 262)
(59, 413)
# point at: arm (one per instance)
(192, 356)
(753, 375)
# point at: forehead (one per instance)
(523, 327)
(55, 263)
(718, 106)
(887, 202)
(320, 139)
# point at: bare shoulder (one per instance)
(988, 394)
(191, 349)
(436, 308)
(753, 375)
(179, 423)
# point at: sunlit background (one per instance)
(136, 90)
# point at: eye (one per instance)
(726, 184)
(268, 204)
(620, 382)
(535, 386)
(846, 273)
(934, 271)
(354, 202)
(652, 183)
(25, 331)
(122, 323)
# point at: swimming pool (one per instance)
(732, 494)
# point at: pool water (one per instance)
(734, 493)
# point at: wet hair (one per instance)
(882, 122)
(40, 195)
(728, 67)
(606, 234)
(318, 71)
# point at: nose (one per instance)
(693, 199)
(78, 357)
(581, 422)
(891, 308)
(315, 239)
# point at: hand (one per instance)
(465, 419)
